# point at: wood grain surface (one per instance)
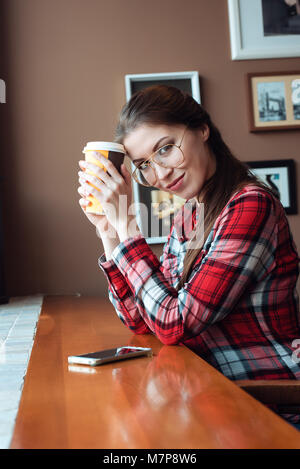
(171, 400)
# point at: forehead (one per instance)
(141, 140)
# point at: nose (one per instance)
(161, 172)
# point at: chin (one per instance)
(190, 194)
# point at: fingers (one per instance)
(90, 182)
(105, 186)
(99, 172)
(83, 192)
(84, 203)
(86, 190)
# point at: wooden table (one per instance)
(172, 400)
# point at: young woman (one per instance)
(232, 298)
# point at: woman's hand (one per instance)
(103, 228)
(114, 194)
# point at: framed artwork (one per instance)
(280, 175)
(274, 101)
(261, 29)
(155, 209)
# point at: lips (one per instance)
(175, 182)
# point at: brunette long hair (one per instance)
(167, 105)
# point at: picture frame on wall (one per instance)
(273, 101)
(155, 209)
(280, 175)
(261, 29)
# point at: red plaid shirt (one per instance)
(239, 309)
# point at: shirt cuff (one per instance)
(116, 280)
(104, 264)
(136, 261)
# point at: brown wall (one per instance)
(64, 66)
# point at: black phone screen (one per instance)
(114, 352)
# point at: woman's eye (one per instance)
(144, 165)
(164, 150)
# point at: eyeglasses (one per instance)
(168, 156)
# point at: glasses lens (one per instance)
(169, 156)
(146, 177)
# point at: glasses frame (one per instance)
(152, 162)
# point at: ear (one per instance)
(205, 132)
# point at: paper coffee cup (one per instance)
(115, 153)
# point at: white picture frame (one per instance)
(2, 92)
(247, 34)
(143, 196)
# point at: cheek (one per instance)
(197, 166)
(197, 173)
(203, 164)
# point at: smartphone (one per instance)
(110, 355)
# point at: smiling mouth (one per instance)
(175, 182)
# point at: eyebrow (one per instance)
(156, 146)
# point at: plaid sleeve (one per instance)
(122, 298)
(239, 255)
